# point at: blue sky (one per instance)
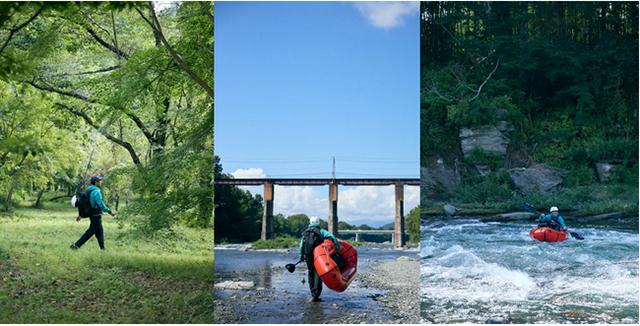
(298, 83)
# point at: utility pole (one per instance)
(334, 167)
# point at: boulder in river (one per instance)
(605, 170)
(234, 285)
(538, 178)
(450, 210)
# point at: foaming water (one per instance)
(473, 272)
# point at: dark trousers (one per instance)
(315, 283)
(94, 228)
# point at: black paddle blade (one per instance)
(576, 235)
(530, 208)
(291, 268)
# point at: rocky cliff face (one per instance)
(538, 178)
(439, 178)
(492, 139)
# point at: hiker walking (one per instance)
(97, 206)
(312, 237)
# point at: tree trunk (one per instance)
(38, 201)
(8, 199)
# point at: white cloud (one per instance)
(250, 173)
(374, 203)
(389, 14)
(300, 200)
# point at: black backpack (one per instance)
(84, 205)
(311, 239)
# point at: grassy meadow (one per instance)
(165, 278)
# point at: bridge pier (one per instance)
(267, 215)
(357, 237)
(399, 235)
(333, 208)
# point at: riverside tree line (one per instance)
(563, 76)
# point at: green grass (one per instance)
(166, 278)
(276, 243)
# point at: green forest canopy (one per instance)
(120, 89)
(565, 74)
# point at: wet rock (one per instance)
(503, 320)
(405, 258)
(510, 217)
(605, 170)
(450, 210)
(237, 285)
(538, 178)
(620, 216)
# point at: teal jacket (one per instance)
(549, 217)
(325, 235)
(96, 200)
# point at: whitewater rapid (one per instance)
(475, 272)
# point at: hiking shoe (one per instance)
(73, 246)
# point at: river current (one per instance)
(477, 272)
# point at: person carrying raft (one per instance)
(554, 220)
(312, 237)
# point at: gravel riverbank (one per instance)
(385, 292)
(401, 280)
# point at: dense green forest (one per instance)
(123, 90)
(119, 89)
(238, 217)
(560, 77)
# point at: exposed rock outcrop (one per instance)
(490, 138)
(605, 170)
(439, 178)
(538, 178)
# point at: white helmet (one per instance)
(315, 220)
(553, 209)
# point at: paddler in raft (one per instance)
(553, 221)
(312, 237)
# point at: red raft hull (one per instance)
(547, 234)
(334, 278)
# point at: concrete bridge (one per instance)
(359, 232)
(267, 216)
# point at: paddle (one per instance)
(292, 267)
(530, 208)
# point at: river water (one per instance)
(476, 272)
(288, 297)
